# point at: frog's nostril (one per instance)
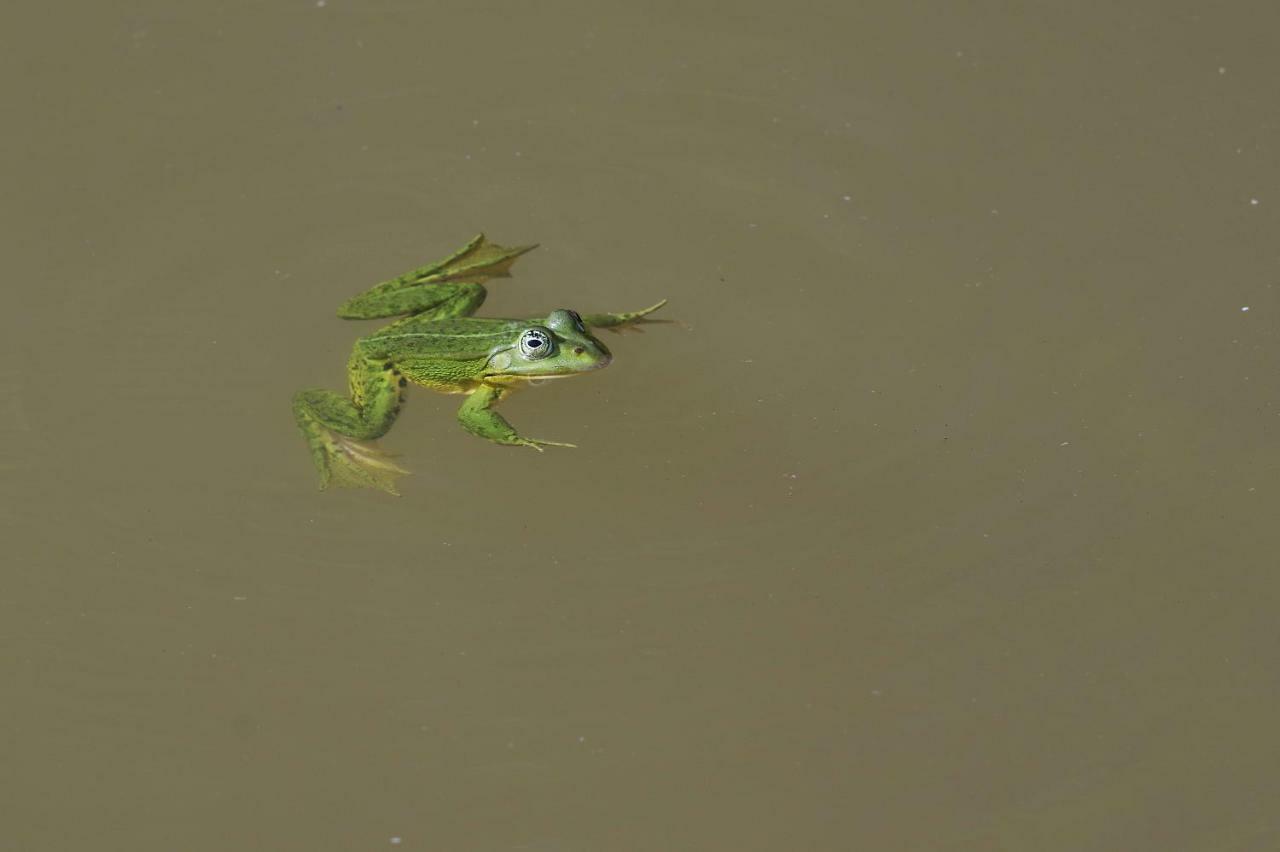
(578, 350)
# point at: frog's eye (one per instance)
(535, 343)
(577, 321)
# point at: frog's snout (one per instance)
(593, 357)
(605, 354)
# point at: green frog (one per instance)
(440, 345)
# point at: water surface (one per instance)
(945, 519)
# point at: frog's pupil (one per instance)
(534, 342)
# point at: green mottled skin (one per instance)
(439, 345)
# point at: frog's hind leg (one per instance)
(336, 428)
(449, 288)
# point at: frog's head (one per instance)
(561, 347)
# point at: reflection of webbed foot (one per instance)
(345, 462)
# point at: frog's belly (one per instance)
(440, 375)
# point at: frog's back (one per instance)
(457, 338)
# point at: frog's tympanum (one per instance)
(439, 345)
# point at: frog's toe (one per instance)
(538, 445)
(635, 322)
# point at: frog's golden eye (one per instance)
(535, 343)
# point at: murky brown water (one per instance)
(947, 520)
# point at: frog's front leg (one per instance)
(336, 428)
(478, 417)
(617, 322)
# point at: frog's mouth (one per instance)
(536, 379)
(502, 361)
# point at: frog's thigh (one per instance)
(336, 426)
(372, 408)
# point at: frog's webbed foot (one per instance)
(631, 321)
(479, 260)
(346, 462)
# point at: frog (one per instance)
(438, 344)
